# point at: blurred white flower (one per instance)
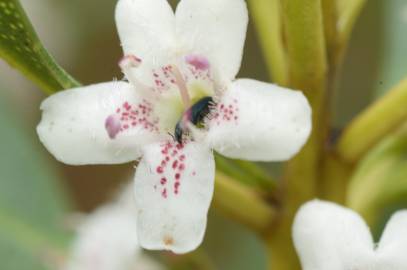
(107, 240)
(181, 71)
(328, 236)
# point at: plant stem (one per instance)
(384, 171)
(330, 16)
(303, 22)
(247, 173)
(242, 204)
(267, 19)
(263, 180)
(374, 123)
(348, 11)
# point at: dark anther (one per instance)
(195, 114)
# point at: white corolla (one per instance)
(180, 101)
(329, 236)
(107, 240)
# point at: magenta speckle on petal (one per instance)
(170, 169)
(160, 169)
(199, 62)
(112, 125)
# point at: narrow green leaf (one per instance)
(22, 49)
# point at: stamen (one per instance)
(126, 64)
(199, 62)
(182, 86)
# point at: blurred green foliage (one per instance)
(32, 203)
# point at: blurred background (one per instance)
(36, 190)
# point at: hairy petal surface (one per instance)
(86, 126)
(174, 187)
(215, 29)
(329, 236)
(147, 30)
(260, 122)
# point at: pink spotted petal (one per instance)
(174, 187)
(91, 125)
(147, 31)
(216, 30)
(260, 122)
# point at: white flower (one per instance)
(181, 80)
(329, 236)
(107, 240)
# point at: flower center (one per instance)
(177, 90)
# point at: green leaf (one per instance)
(32, 204)
(380, 180)
(22, 49)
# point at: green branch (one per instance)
(304, 32)
(381, 118)
(384, 171)
(268, 22)
(242, 204)
(349, 11)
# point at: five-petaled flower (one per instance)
(329, 236)
(180, 102)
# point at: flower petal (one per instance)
(174, 187)
(215, 29)
(147, 30)
(76, 125)
(393, 243)
(106, 241)
(260, 122)
(328, 236)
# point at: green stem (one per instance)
(242, 204)
(349, 11)
(384, 171)
(329, 10)
(234, 171)
(267, 19)
(374, 123)
(303, 22)
(260, 176)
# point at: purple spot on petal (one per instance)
(199, 62)
(112, 125)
